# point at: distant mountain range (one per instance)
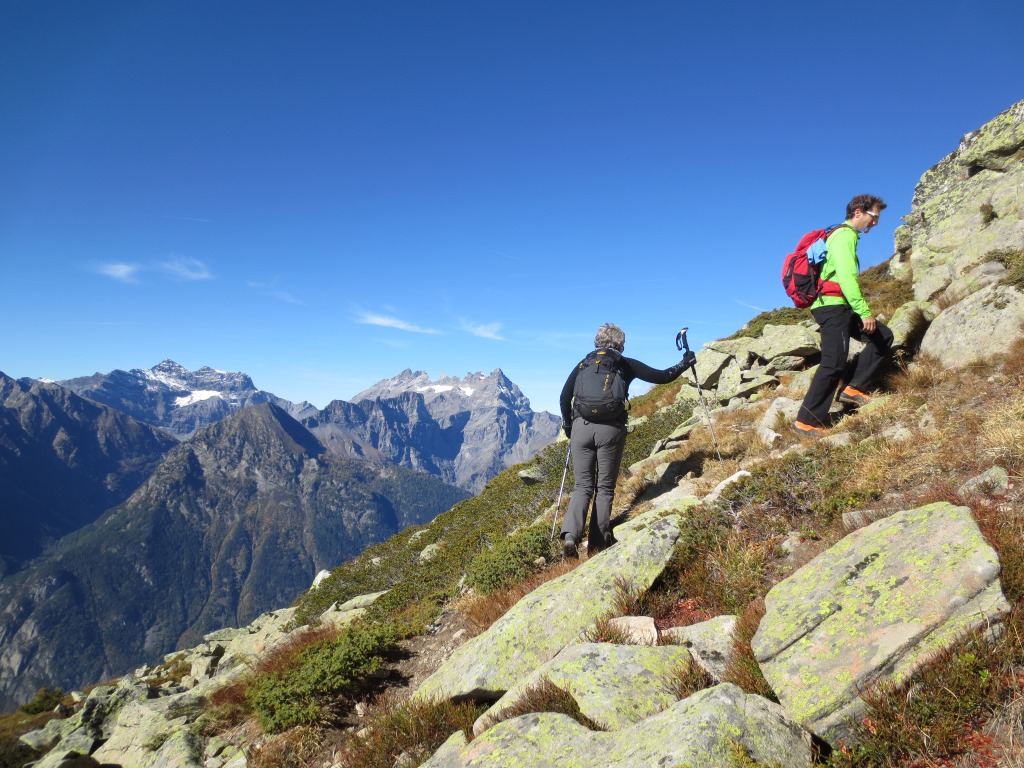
(144, 508)
(464, 431)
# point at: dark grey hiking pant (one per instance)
(596, 453)
(838, 324)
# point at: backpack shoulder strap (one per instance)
(827, 263)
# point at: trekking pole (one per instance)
(685, 348)
(558, 503)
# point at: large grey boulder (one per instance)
(968, 204)
(709, 642)
(873, 608)
(786, 341)
(909, 323)
(709, 365)
(614, 685)
(985, 323)
(706, 729)
(551, 617)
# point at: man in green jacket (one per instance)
(839, 318)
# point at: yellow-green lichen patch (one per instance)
(883, 599)
(552, 617)
(615, 685)
(699, 730)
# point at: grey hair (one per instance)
(609, 335)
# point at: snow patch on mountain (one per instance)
(195, 397)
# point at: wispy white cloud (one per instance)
(387, 321)
(125, 273)
(483, 330)
(186, 268)
(750, 306)
(274, 292)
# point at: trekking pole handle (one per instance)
(681, 340)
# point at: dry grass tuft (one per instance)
(406, 733)
(545, 696)
(686, 679)
(481, 611)
(604, 631)
(742, 668)
(1002, 433)
(1013, 363)
(302, 747)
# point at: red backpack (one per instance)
(801, 271)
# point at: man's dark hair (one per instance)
(865, 203)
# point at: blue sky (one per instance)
(322, 194)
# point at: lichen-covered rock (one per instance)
(968, 204)
(873, 608)
(614, 685)
(705, 729)
(679, 499)
(986, 323)
(782, 409)
(994, 480)
(785, 341)
(709, 642)
(551, 617)
(909, 323)
(709, 365)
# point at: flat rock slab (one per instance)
(614, 685)
(551, 617)
(874, 607)
(709, 642)
(702, 730)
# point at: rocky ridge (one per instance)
(885, 598)
(176, 399)
(464, 431)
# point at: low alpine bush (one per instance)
(510, 560)
(308, 690)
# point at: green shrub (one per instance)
(46, 700)
(817, 484)
(323, 672)
(510, 561)
(14, 753)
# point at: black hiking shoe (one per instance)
(569, 551)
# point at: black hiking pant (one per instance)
(838, 324)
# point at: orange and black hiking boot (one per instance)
(808, 429)
(854, 397)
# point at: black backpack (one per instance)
(601, 391)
